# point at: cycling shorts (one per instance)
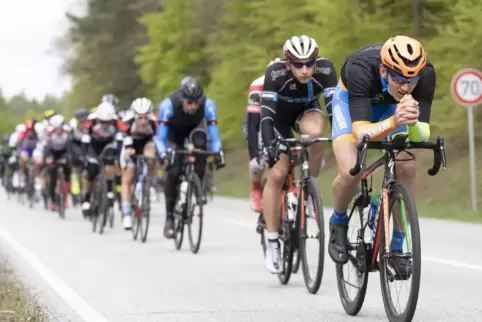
(341, 114)
(29, 151)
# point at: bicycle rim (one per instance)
(286, 236)
(195, 188)
(357, 255)
(145, 209)
(312, 283)
(400, 190)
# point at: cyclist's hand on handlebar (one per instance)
(219, 160)
(273, 151)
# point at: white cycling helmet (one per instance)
(57, 121)
(73, 123)
(20, 128)
(105, 112)
(300, 47)
(39, 127)
(142, 106)
(273, 61)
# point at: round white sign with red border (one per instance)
(466, 87)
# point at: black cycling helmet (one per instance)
(81, 114)
(191, 89)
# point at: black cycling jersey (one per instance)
(360, 75)
(284, 98)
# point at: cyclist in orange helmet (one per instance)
(385, 89)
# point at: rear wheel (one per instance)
(287, 236)
(352, 292)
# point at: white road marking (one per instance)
(84, 310)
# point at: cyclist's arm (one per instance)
(359, 86)
(269, 98)
(423, 94)
(165, 113)
(329, 81)
(211, 116)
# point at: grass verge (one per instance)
(444, 196)
(15, 303)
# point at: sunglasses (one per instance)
(191, 101)
(401, 80)
(141, 117)
(299, 65)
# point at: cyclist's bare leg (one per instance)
(150, 152)
(405, 173)
(344, 185)
(313, 125)
(344, 188)
(272, 193)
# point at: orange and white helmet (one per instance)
(404, 55)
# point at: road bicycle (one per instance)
(141, 198)
(194, 199)
(293, 226)
(369, 254)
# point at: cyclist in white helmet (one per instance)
(99, 139)
(140, 129)
(58, 144)
(290, 101)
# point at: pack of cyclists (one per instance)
(382, 89)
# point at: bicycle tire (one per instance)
(134, 212)
(60, 187)
(145, 208)
(312, 284)
(261, 229)
(352, 307)
(31, 189)
(103, 203)
(399, 188)
(195, 187)
(287, 235)
(296, 261)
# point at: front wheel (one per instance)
(403, 265)
(145, 208)
(61, 194)
(311, 194)
(194, 211)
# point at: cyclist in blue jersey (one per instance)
(181, 117)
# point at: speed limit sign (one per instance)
(467, 87)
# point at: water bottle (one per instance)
(372, 214)
(183, 192)
(292, 206)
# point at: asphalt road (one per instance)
(81, 276)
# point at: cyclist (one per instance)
(290, 99)
(384, 90)
(4, 155)
(141, 129)
(251, 132)
(12, 160)
(102, 128)
(57, 148)
(181, 117)
(78, 126)
(28, 141)
(47, 115)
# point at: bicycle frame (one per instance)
(388, 161)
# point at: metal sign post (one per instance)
(466, 89)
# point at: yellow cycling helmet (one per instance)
(49, 113)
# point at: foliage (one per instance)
(146, 47)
